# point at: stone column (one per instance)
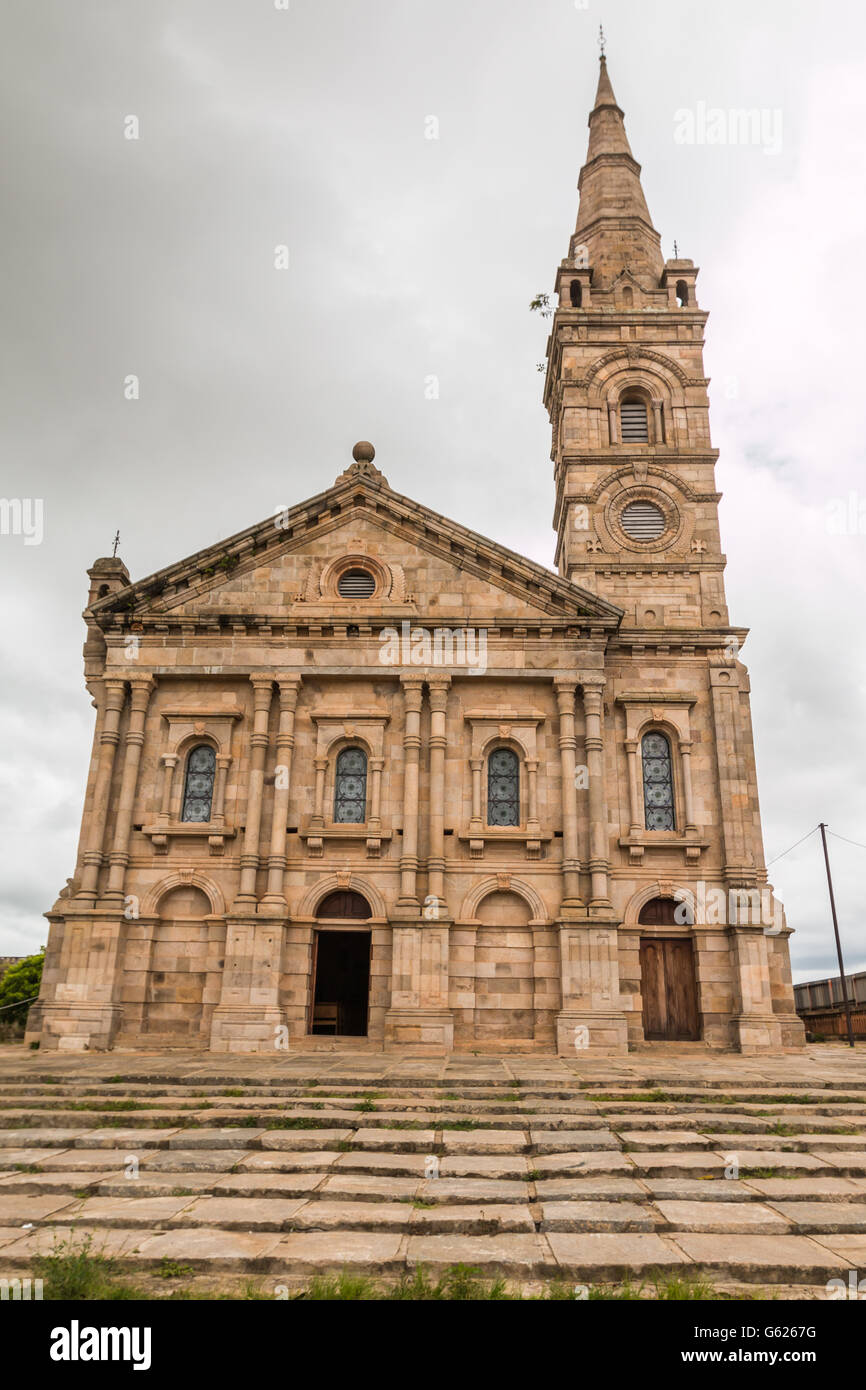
(634, 788)
(685, 748)
(263, 691)
(419, 1014)
(532, 794)
(376, 767)
(275, 899)
(140, 688)
(223, 763)
(412, 695)
(658, 424)
(570, 861)
(436, 813)
(318, 820)
(599, 848)
(169, 763)
(113, 697)
(612, 422)
(477, 765)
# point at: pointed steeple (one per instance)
(613, 220)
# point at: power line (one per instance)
(799, 842)
(19, 1002)
(845, 838)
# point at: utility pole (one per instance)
(823, 829)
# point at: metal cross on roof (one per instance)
(116, 544)
(601, 40)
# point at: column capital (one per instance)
(438, 687)
(413, 693)
(115, 691)
(289, 688)
(141, 688)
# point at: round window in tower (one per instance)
(356, 583)
(643, 521)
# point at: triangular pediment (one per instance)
(285, 569)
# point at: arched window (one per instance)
(661, 912)
(198, 784)
(658, 782)
(503, 787)
(575, 293)
(682, 293)
(350, 787)
(344, 902)
(634, 421)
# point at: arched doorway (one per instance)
(504, 969)
(340, 993)
(174, 992)
(667, 971)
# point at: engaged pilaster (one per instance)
(140, 691)
(436, 906)
(599, 850)
(412, 695)
(113, 692)
(262, 695)
(567, 743)
(275, 899)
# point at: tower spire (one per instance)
(613, 220)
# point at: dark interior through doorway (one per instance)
(342, 986)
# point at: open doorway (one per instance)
(341, 984)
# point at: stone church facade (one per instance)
(360, 773)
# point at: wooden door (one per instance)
(314, 961)
(668, 988)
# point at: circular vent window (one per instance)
(356, 584)
(643, 521)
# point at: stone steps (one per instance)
(597, 1256)
(554, 1179)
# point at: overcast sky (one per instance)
(412, 257)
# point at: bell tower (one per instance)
(636, 505)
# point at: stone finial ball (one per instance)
(363, 452)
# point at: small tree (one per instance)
(21, 982)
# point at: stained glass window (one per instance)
(658, 782)
(350, 787)
(198, 787)
(503, 788)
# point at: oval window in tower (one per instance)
(643, 521)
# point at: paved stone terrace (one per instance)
(587, 1170)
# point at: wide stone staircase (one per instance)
(742, 1175)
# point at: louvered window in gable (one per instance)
(356, 583)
